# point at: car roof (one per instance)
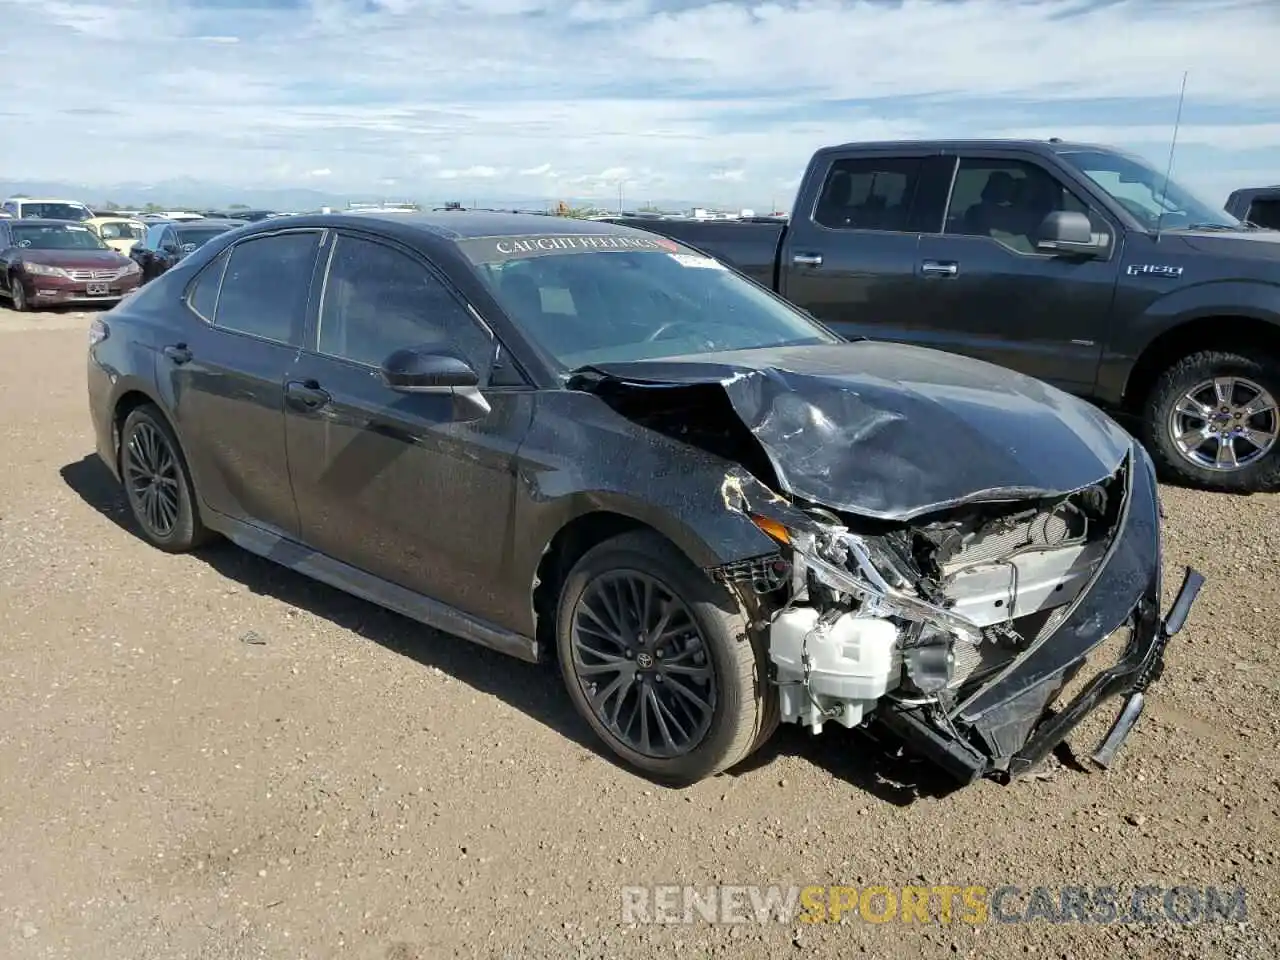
(45, 221)
(204, 222)
(469, 224)
(1039, 146)
(45, 200)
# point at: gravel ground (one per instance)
(210, 757)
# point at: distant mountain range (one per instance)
(179, 193)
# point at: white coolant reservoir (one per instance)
(853, 662)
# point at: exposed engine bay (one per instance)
(924, 610)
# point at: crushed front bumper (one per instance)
(1006, 726)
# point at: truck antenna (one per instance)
(1168, 170)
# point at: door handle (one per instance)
(940, 268)
(807, 259)
(306, 394)
(178, 353)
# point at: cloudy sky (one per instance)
(673, 98)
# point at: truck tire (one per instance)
(707, 660)
(1212, 420)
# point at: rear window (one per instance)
(40, 210)
(199, 236)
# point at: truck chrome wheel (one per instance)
(1224, 424)
(641, 663)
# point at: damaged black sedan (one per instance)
(571, 439)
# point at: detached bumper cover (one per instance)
(1003, 725)
(1141, 665)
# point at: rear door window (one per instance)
(266, 286)
(872, 193)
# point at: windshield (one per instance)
(54, 236)
(122, 230)
(628, 297)
(1142, 190)
(198, 236)
(55, 211)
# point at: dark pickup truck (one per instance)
(1078, 264)
(1257, 205)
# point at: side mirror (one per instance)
(437, 369)
(427, 370)
(1069, 232)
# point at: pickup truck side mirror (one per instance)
(1070, 233)
(437, 369)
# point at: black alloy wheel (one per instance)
(641, 661)
(157, 484)
(658, 659)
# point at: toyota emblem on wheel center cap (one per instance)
(644, 661)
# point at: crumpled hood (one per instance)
(881, 429)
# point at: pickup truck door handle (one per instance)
(807, 259)
(306, 394)
(178, 353)
(940, 268)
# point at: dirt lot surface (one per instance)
(210, 757)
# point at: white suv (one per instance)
(45, 208)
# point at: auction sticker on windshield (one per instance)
(500, 249)
(700, 263)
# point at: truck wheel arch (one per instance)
(1211, 331)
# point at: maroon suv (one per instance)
(45, 262)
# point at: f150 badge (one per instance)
(1154, 270)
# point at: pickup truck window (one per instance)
(1007, 200)
(1152, 198)
(868, 194)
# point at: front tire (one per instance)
(1212, 421)
(18, 293)
(157, 483)
(657, 658)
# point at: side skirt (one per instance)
(366, 586)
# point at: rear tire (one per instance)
(1212, 394)
(639, 626)
(157, 483)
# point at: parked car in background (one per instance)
(49, 262)
(249, 216)
(1257, 205)
(166, 242)
(43, 208)
(1077, 264)
(118, 233)
(569, 438)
